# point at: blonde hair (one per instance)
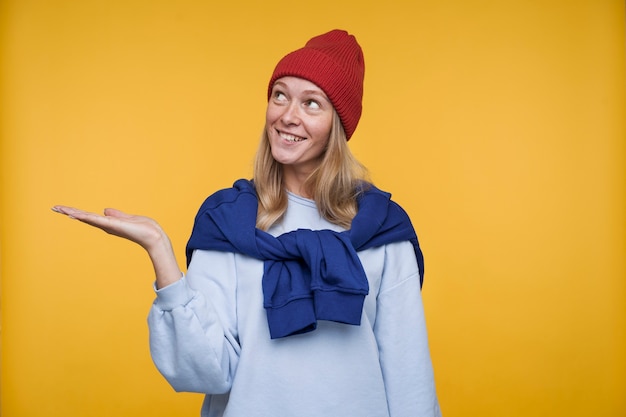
(334, 184)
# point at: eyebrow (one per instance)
(318, 92)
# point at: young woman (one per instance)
(302, 292)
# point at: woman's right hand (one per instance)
(142, 230)
(139, 229)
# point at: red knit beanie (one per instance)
(334, 62)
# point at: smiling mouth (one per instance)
(291, 138)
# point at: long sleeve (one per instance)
(193, 339)
(400, 330)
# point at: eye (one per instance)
(312, 104)
(279, 96)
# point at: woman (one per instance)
(302, 292)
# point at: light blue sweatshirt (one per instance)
(209, 334)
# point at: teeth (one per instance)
(291, 138)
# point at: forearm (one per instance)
(187, 341)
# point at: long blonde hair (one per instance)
(334, 184)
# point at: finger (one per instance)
(89, 218)
(60, 209)
(68, 211)
(92, 219)
(117, 213)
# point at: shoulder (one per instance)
(400, 265)
(371, 197)
(242, 190)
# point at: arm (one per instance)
(193, 326)
(192, 339)
(402, 339)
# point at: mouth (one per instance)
(290, 138)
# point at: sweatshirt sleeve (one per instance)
(400, 331)
(192, 323)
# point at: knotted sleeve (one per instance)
(324, 281)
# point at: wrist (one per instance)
(164, 262)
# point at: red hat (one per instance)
(334, 62)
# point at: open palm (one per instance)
(139, 229)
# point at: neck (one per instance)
(295, 183)
(299, 191)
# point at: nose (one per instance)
(290, 115)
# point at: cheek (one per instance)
(323, 132)
(268, 116)
(271, 113)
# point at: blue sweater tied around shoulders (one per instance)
(309, 275)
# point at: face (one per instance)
(298, 122)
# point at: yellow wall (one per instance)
(500, 126)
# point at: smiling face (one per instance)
(298, 122)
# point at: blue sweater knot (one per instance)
(309, 275)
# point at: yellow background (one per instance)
(499, 126)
